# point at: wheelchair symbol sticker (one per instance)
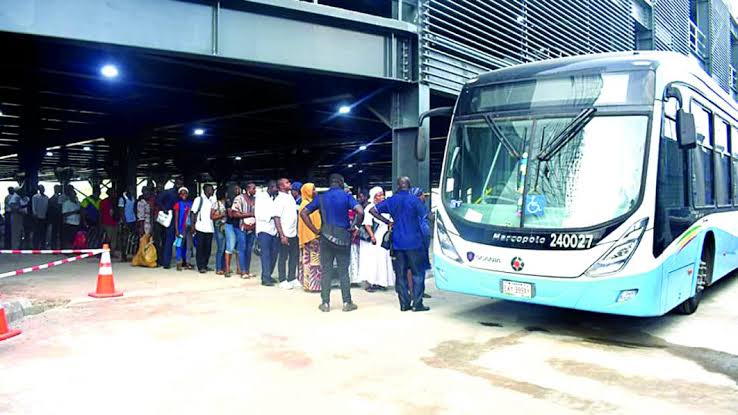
(535, 205)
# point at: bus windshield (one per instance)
(551, 172)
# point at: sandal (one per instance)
(220, 273)
(243, 276)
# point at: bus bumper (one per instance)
(583, 293)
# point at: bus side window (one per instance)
(702, 158)
(672, 214)
(722, 163)
(669, 120)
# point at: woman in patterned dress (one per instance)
(309, 272)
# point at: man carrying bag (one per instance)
(335, 238)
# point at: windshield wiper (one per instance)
(505, 142)
(570, 131)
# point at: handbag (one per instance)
(164, 218)
(334, 234)
(387, 240)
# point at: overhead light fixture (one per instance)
(49, 154)
(86, 148)
(344, 109)
(198, 131)
(237, 158)
(362, 148)
(109, 71)
(350, 166)
(361, 171)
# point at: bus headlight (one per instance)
(616, 258)
(444, 241)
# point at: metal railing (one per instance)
(697, 41)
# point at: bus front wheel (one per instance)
(703, 279)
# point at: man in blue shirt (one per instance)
(407, 242)
(335, 238)
(165, 202)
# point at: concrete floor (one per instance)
(178, 342)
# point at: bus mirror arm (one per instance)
(686, 131)
(421, 143)
(435, 112)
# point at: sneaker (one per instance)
(296, 284)
(324, 307)
(349, 307)
(421, 308)
(268, 284)
(285, 285)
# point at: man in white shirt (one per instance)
(203, 227)
(39, 208)
(266, 231)
(289, 248)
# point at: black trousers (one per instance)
(288, 255)
(204, 248)
(330, 252)
(68, 233)
(39, 233)
(56, 227)
(409, 260)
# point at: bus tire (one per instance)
(704, 275)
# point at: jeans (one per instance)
(268, 244)
(412, 260)
(231, 238)
(288, 254)
(166, 247)
(342, 255)
(245, 245)
(219, 251)
(204, 249)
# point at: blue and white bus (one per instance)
(606, 183)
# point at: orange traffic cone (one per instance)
(5, 331)
(105, 284)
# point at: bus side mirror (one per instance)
(686, 132)
(421, 145)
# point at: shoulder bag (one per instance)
(164, 218)
(334, 234)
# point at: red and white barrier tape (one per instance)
(51, 251)
(50, 264)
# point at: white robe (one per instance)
(376, 263)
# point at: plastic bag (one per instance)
(146, 255)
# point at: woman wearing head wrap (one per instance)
(182, 225)
(376, 264)
(308, 271)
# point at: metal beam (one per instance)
(283, 33)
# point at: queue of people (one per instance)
(308, 239)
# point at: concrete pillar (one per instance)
(410, 144)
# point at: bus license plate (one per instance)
(517, 289)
